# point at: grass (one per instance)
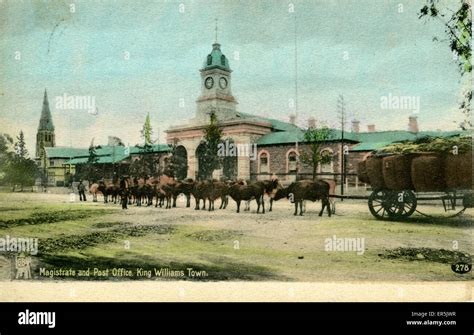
(231, 246)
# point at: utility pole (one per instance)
(341, 108)
(296, 99)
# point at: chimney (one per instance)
(355, 126)
(311, 123)
(413, 124)
(292, 118)
(371, 128)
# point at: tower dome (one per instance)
(216, 59)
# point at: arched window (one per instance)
(327, 166)
(264, 162)
(223, 60)
(292, 161)
(209, 59)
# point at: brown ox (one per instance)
(302, 190)
(109, 188)
(183, 187)
(201, 191)
(255, 190)
(218, 189)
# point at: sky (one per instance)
(139, 57)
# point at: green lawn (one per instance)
(224, 245)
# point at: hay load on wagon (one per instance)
(428, 164)
(437, 165)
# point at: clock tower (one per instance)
(216, 96)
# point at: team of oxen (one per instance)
(163, 191)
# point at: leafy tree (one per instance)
(176, 165)
(21, 170)
(6, 154)
(209, 160)
(316, 138)
(458, 28)
(20, 146)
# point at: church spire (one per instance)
(45, 136)
(46, 120)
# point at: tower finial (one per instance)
(216, 29)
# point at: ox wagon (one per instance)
(401, 181)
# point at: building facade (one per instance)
(260, 146)
(279, 145)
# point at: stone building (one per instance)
(256, 147)
(278, 145)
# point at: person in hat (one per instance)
(82, 191)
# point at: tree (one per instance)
(176, 165)
(147, 130)
(209, 160)
(147, 163)
(90, 171)
(315, 139)
(20, 146)
(6, 154)
(458, 28)
(21, 170)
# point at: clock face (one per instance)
(209, 82)
(223, 82)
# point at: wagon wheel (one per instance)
(377, 204)
(385, 204)
(400, 204)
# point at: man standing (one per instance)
(82, 191)
(124, 192)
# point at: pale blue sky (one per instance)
(388, 52)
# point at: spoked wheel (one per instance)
(377, 206)
(393, 205)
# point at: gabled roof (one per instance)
(297, 134)
(65, 152)
(290, 133)
(281, 137)
(107, 154)
(276, 124)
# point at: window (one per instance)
(264, 163)
(223, 60)
(292, 161)
(51, 162)
(209, 59)
(327, 166)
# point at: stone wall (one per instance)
(279, 165)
